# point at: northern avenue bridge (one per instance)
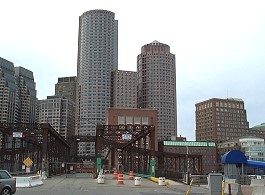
(122, 147)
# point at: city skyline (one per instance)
(219, 47)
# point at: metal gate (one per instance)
(86, 169)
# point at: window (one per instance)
(121, 120)
(137, 120)
(144, 120)
(4, 175)
(129, 120)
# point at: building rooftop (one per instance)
(262, 125)
(155, 41)
(188, 143)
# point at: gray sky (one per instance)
(219, 45)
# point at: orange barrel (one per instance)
(115, 174)
(131, 176)
(120, 179)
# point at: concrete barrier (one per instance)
(235, 187)
(258, 186)
(257, 182)
(258, 190)
(36, 180)
(227, 180)
(28, 182)
(43, 175)
(23, 182)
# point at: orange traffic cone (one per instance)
(120, 179)
(131, 176)
(115, 174)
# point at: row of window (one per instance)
(124, 120)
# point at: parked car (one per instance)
(7, 183)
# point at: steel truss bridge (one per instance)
(136, 152)
(40, 142)
(124, 147)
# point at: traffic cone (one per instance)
(120, 179)
(115, 174)
(131, 176)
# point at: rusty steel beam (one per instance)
(130, 146)
(41, 143)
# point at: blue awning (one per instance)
(238, 157)
(257, 164)
(234, 157)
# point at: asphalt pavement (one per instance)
(62, 185)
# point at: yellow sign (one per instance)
(28, 162)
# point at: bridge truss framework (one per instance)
(124, 147)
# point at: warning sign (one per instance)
(28, 162)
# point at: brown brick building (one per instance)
(134, 116)
(219, 120)
(156, 86)
(206, 149)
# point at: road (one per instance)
(60, 185)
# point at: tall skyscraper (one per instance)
(66, 86)
(97, 58)
(157, 86)
(124, 89)
(8, 92)
(27, 95)
(221, 119)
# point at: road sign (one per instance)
(126, 136)
(17, 134)
(28, 162)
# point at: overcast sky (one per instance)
(219, 45)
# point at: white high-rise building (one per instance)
(97, 58)
(157, 86)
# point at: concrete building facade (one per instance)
(17, 96)
(97, 58)
(124, 89)
(66, 86)
(156, 86)
(219, 120)
(253, 147)
(8, 92)
(27, 95)
(59, 112)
